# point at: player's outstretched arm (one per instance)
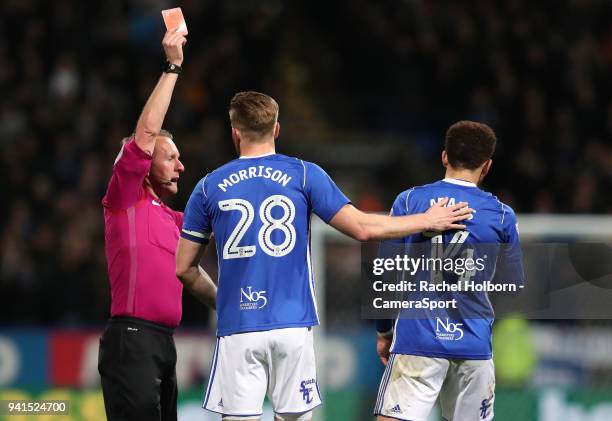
(153, 114)
(368, 226)
(192, 275)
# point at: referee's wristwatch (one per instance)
(172, 68)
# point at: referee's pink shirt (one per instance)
(141, 236)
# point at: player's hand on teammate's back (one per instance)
(173, 43)
(383, 347)
(442, 218)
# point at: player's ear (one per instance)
(488, 165)
(235, 135)
(485, 168)
(236, 140)
(276, 130)
(445, 159)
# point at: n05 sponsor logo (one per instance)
(448, 331)
(252, 300)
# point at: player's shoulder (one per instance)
(265, 160)
(291, 161)
(200, 186)
(401, 204)
(506, 212)
(218, 173)
(442, 188)
(427, 188)
(496, 202)
(467, 189)
(292, 165)
(311, 171)
(417, 191)
(295, 161)
(402, 196)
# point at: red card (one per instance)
(173, 18)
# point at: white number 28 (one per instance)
(231, 249)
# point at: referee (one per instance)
(137, 359)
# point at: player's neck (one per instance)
(249, 149)
(465, 175)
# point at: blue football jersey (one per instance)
(465, 333)
(259, 210)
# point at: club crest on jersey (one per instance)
(485, 407)
(252, 300)
(448, 331)
(306, 390)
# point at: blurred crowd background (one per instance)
(366, 89)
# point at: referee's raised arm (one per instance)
(136, 165)
(152, 116)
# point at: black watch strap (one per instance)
(172, 68)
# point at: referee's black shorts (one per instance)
(137, 364)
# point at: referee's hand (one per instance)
(173, 43)
(383, 347)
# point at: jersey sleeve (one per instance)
(325, 197)
(125, 186)
(400, 207)
(388, 249)
(510, 263)
(196, 223)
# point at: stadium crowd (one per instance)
(360, 76)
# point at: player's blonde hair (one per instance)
(253, 113)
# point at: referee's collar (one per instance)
(460, 182)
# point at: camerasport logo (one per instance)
(447, 330)
(251, 299)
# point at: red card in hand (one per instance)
(173, 18)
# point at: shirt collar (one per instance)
(460, 182)
(257, 156)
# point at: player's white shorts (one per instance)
(246, 366)
(411, 384)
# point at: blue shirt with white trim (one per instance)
(259, 209)
(465, 333)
